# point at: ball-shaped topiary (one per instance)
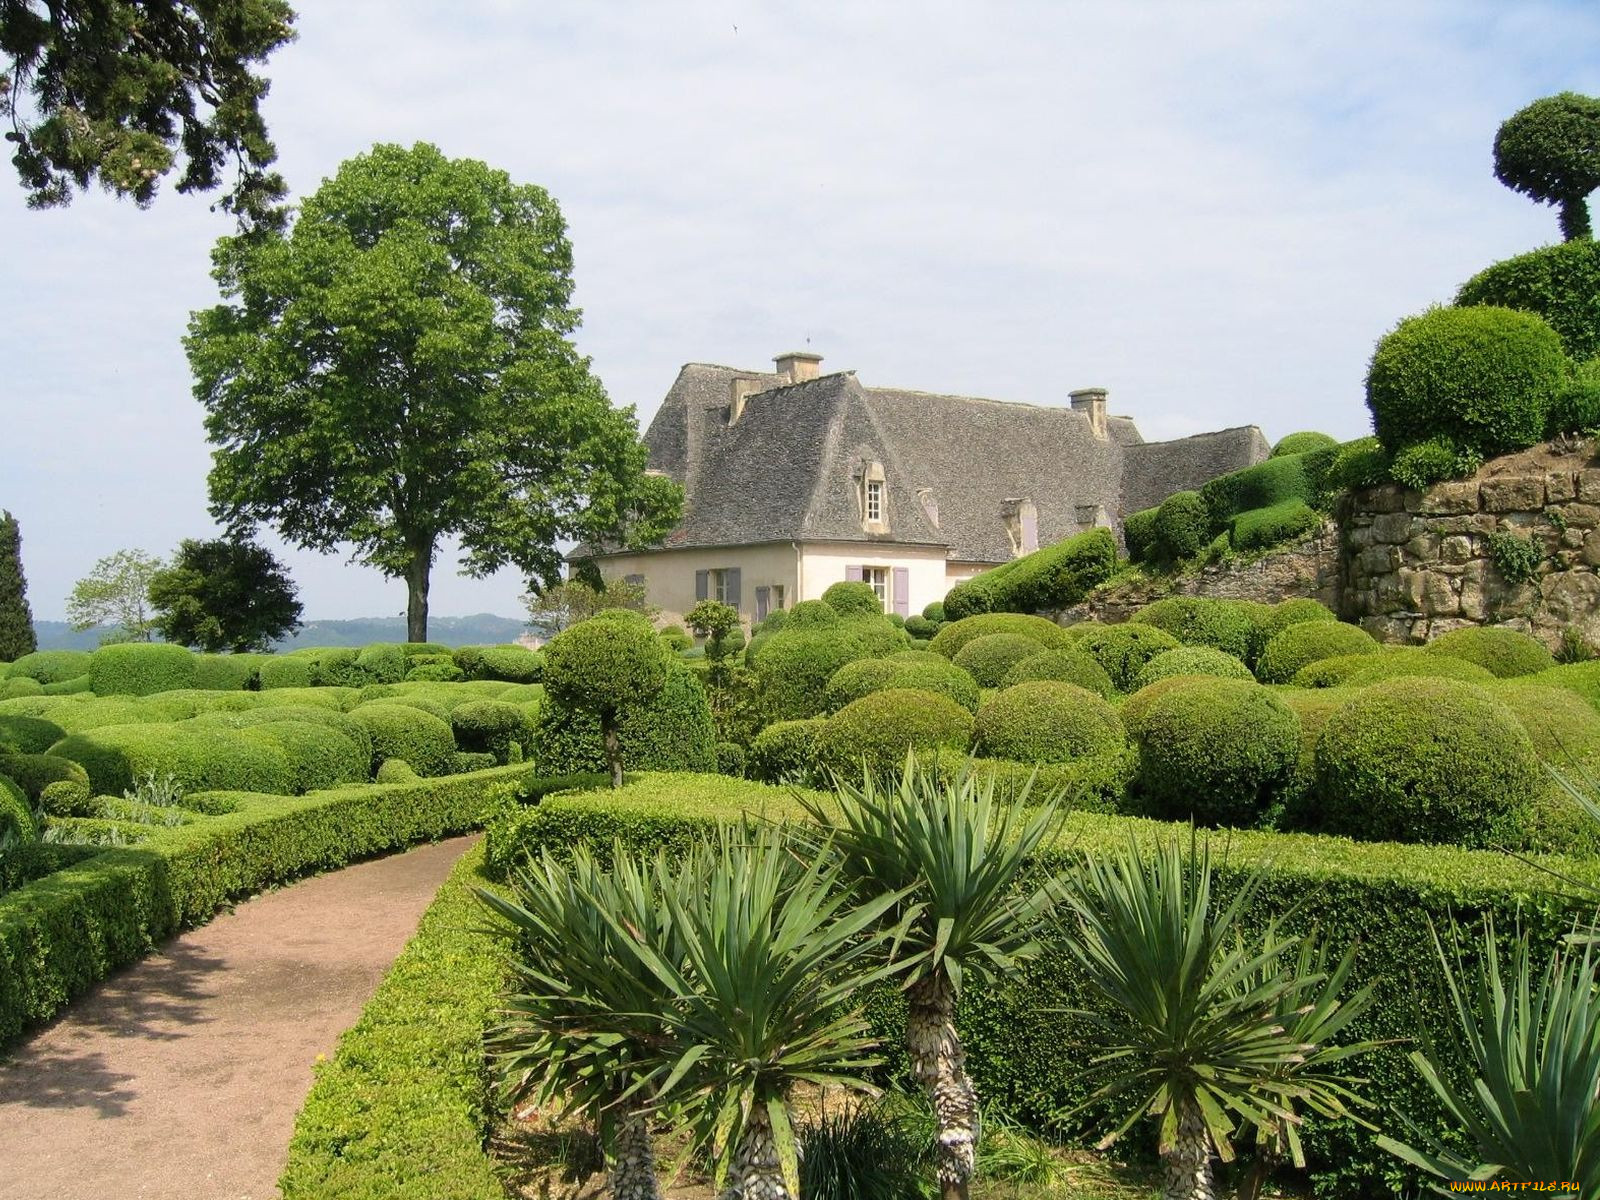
(878, 731)
(1192, 660)
(1182, 526)
(16, 815)
(1565, 729)
(934, 612)
(956, 634)
(794, 667)
(1484, 376)
(1122, 650)
(1139, 535)
(988, 658)
(1217, 751)
(395, 770)
(489, 727)
(1390, 662)
(21, 734)
(1307, 642)
(785, 751)
(1550, 150)
(49, 666)
(397, 730)
(199, 758)
(1303, 443)
(1063, 666)
(811, 614)
(605, 666)
(35, 772)
(942, 678)
(670, 729)
(1561, 283)
(140, 669)
(274, 671)
(381, 662)
(1196, 621)
(1503, 652)
(1275, 618)
(1047, 721)
(1426, 760)
(318, 756)
(857, 679)
(852, 599)
(921, 627)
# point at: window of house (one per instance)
(878, 579)
(874, 499)
(718, 583)
(719, 586)
(777, 595)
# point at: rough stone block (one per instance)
(1455, 549)
(1572, 539)
(1359, 537)
(1511, 495)
(1560, 486)
(1386, 499)
(1392, 528)
(1485, 522)
(1591, 548)
(1581, 516)
(1423, 547)
(1450, 499)
(1378, 560)
(1472, 604)
(1589, 486)
(1439, 599)
(1449, 525)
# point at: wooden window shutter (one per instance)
(702, 584)
(902, 591)
(763, 602)
(730, 584)
(852, 574)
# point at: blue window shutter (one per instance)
(902, 588)
(763, 602)
(852, 574)
(702, 584)
(730, 579)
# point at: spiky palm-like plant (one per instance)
(581, 1034)
(956, 855)
(1532, 1107)
(1204, 1022)
(774, 952)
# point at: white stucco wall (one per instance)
(823, 564)
(669, 574)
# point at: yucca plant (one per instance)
(955, 857)
(1204, 1024)
(1531, 1109)
(582, 1035)
(774, 954)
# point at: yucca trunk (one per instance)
(631, 1162)
(940, 1065)
(756, 1173)
(1188, 1159)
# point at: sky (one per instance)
(1212, 210)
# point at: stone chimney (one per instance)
(739, 390)
(797, 366)
(1091, 402)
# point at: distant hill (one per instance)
(481, 629)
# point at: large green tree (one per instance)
(396, 368)
(116, 593)
(16, 618)
(224, 595)
(1550, 151)
(116, 91)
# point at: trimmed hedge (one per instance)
(671, 730)
(1426, 760)
(1261, 528)
(880, 728)
(1182, 526)
(1560, 283)
(318, 755)
(399, 730)
(855, 680)
(853, 599)
(1389, 662)
(35, 772)
(1051, 578)
(1307, 642)
(283, 671)
(140, 669)
(16, 815)
(226, 672)
(956, 634)
(62, 934)
(1064, 666)
(1302, 443)
(1191, 660)
(1503, 652)
(1197, 621)
(1047, 721)
(381, 662)
(1139, 535)
(27, 734)
(1264, 485)
(1565, 729)
(908, 669)
(199, 757)
(988, 658)
(1123, 650)
(395, 770)
(48, 666)
(795, 665)
(490, 726)
(785, 751)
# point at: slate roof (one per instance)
(789, 468)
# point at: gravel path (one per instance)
(181, 1075)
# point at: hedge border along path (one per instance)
(62, 934)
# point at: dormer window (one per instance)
(874, 499)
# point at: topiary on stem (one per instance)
(1550, 151)
(602, 666)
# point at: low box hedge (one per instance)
(61, 934)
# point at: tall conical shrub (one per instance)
(16, 619)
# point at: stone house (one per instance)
(795, 480)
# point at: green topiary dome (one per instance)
(1047, 721)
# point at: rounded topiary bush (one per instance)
(785, 751)
(397, 730)
(1560, 283)
(1503, 652)
(67, 798)
(1304, 443)
(140, 669)
(28, 735)
(314, 714)
(395, 770)
(921, 627)
(275, 671)
(488, 727)
(1217, 751)
(509, 664)
(318, 755)
(1390, 662)
(49, 666)
(1426, 760)
(956, 634)
(1307, 642)
(811, 614)
(1063, 666)
(879, 729)
(1275, 618)
(1199, 622)
(381, 662)
(1122, 650)
(916, 656)
(853, 599)
(16, 816)
(1182, 526)
(199, 758)
(1047, 721)
(1192, 660)
(228, 672)
(35, 772)
(1135, 706)
(795, 666)
(670, 729)
(1564, 728)
(988, 658)
(435, 672)
(1483, 376)
(730, 759)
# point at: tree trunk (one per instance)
(608, 735)
(1575, 219)
(756, 1173)
(1188, 1160)
(417, 573)
(939, 1064)
(631, 1165)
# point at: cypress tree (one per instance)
(16, 619)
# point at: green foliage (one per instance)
(786, 751)
(921, 627)
(225, 672)
(1565, 729)
(1426, 760)
(1191, 660)
(1064, 666)
(22, 734)
(1290, 477)
(395, 770)
(140, 669)
(224, 594)
(934, 612)
(1390, 662)
(929, 672)
(344, 724)
(434, 672)
(1218, 752)
(1306, 642)
(730, 759)
(199, 757)
(1182, 527)
(1053, 577)
(116, 593)
(1047, 721)
(604, 666)
(862, 1152)
(1576, 408)
(795, 665)
(1483, 377)
(668, 728)
(16, 814)
(318, 755)
(1421, 464)
(489, 726)
(1140, 537)
(35, 772)
(1505, 652)
(879, 730)
(988, 658)
(1263, 528)
(1303, 443)
(566, 602)
(852, 599)
(16, 618)
(1198, 621)
(1550, 151)
(50, 666)
(1560, 283)
(956, 634)
(512, 444)
(1362, 463)
(1123, 650)
(423, 739)
(1517, 558)
(381, 662)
